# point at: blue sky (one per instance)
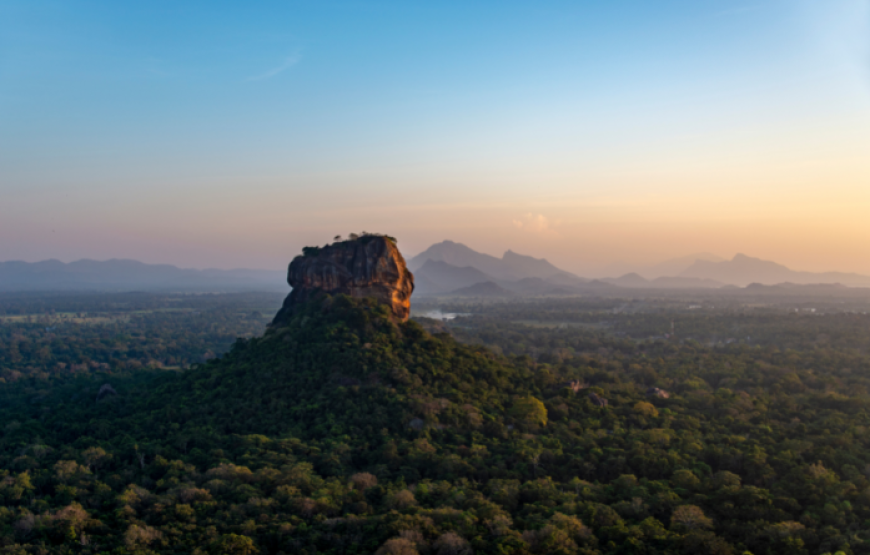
(227, 134)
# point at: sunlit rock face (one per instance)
(370, 266)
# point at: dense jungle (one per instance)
(183, 424)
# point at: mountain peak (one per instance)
(511, 266)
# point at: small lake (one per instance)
(438, 315)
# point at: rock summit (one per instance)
(364, 266)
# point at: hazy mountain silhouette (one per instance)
(636, 281)
(511, 266)
(675, 266)
(540, 286)
(442, 268)
(130, 275)
(568, 280)
(676, 282)
(628, 280)
(671, 267)
(743, 270)
(455, 254)
(485, 289)
(436, 276)
(792, 288)
(447, 266)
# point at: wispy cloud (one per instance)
(289, 62)
(538, 224)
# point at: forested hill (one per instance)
(343, 432)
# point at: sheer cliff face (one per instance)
(366, 267)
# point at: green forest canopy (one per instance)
(345, 433)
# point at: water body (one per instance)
(438, 315)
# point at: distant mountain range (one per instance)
(743, 270)
(455, 269)
(445, 268)
(511, 266)
(131, 275)
(436, 276)
(665, 282)
(485, 289)
(450, 268)
(672, 267)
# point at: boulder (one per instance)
(367, 266)
(597, 400)
(656, 392)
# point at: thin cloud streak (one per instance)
(288, 63)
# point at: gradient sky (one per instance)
(230, 134)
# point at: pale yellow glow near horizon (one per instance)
(803, 203)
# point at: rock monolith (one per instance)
(367, 266)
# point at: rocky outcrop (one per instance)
(367, 266)
(656, 392)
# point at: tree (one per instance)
(530, 410)
(94, 457)
(235, 544)
(401, 500)
(363, 480)
(643, 408)
(690, 517)
(397, 546)
(138, 536)
(451, 543)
